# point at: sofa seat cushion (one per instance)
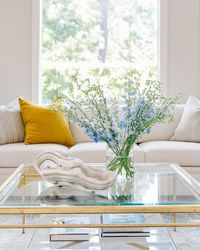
(183, 153)
(12, 155)
(138, 154)
(90, 152)
(93, 152)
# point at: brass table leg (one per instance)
(23, 222)
(174, 199)
(174, 220)
(23, 199)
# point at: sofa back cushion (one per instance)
(164, 131)
(78, 134)
(160, 132)
(11, 126)
(188, 128)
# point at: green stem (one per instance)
(122, 162)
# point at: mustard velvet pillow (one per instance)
(44, 126)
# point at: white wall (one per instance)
(184, 47)
(183, 68)
(15, 49)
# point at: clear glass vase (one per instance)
(122, 190)
(121, 163)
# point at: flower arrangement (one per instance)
(119, 121)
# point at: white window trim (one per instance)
(163, 44)
(36, 51)
(36, 47)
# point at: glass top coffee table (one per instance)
(155, 188)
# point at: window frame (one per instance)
(162, 52)
(36, 51)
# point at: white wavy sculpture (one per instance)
(62, 170)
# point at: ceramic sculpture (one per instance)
(63, 170)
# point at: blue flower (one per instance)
(95, 138)
(122, 124)
(149, 131)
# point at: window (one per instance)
(104, 40)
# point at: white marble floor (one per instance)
(185, 238)
(162, 239)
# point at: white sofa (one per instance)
(155, 147)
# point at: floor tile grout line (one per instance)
(33, 236)
(169, 233)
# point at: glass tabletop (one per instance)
(152, 184)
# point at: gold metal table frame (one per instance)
(98, 210)
(64, 209)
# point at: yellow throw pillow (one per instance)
(44, 126)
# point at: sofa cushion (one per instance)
(43, 125)
(11, 125)
(12, 155)
(93, 152)
(183, 153)
(188, 127)
(164, 131)
(158, 132)
(78, 134)
(90, 152)
(138, 154)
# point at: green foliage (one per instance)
(119, 121)
(101, 39)
(58, 82)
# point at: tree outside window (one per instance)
(104, 40)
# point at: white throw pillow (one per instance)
(188, 128)
(11, 125)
